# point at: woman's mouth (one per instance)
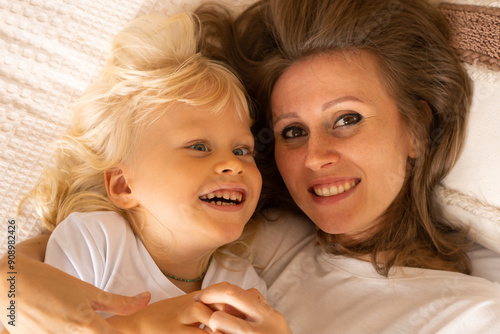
(333, 190)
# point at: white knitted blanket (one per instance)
(50, 50)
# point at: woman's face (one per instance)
(341, 147)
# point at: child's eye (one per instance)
(199, 147)
(347, 119)
(242, 151)
(293, 132)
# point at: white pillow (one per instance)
(471, 193)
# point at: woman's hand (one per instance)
(180, 315)
(241, 311)
(48, 300)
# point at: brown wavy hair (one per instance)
(420, 70)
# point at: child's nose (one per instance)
(230, 166)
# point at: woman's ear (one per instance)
(424, 107)
(415, 148)
(118, 189)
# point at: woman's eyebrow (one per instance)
(324, 106)
(284, 116)
(339, 100)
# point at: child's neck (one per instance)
(194, 280)
(184, 261)
(187, 287)
(185, 270)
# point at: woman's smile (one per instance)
(334, 189)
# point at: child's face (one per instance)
(185, 159)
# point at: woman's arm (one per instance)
(34, 248)
(47, 300)
(180, 315)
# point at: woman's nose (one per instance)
(321, 152)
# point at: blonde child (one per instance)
(156, 172)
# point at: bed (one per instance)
(50, 50)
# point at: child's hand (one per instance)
(243, 311)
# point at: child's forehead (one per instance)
(211, 110)
(187, 122)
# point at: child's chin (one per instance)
(230, 233)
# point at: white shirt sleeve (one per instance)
(81, 247)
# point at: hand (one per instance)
(180, 315)
(51, 301)
(244, 311)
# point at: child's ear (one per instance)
(118, 189)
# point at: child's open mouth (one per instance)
(223, 197)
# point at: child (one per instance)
(156, 171)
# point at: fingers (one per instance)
(223, 322)
(255, 314)
(118, 304)
(250, 302)
(196, 313)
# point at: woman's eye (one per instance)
(347, 119)
(293, 132)
(199, 147)
(242, 151)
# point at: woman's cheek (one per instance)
(284, 161)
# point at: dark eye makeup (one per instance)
(347, 120)
(291, 132)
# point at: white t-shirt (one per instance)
(100, 248)
(320, 293)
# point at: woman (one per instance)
(368, 105)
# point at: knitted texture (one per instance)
(476, 33)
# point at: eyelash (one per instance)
(357, 118)
(206, 149)
(298, 131)
(286, 133)
(249, 151)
